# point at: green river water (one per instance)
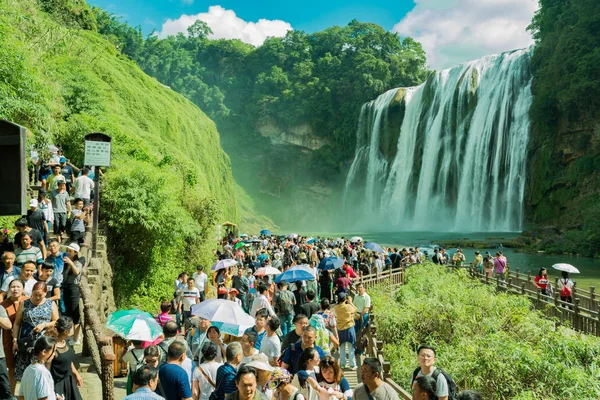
(524, 261)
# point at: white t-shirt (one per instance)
(210, 368)
(37, 383)
(200, 280)
(83, 187)
(28, 285)
(189, 297)
(246, 360)
(271, 347)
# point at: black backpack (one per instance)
(284, 303)
(449, 380)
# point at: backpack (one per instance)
(284, 303)
(449, 380)
(213, 395)
(565, 291)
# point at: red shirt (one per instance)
(541, 281)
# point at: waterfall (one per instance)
(447, 155)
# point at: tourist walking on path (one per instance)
(281, 383)
(246, 384)
(242, 285)
(541, 281)
(331, 378)
(284, 304)
(345, 312)
(67, 380)
(70, 287)
(565, 287)
(373, 387)
(174, 381)
(427, 359)
(205, 375)
(362, 302)
(11, 305)
(62, 207)
(225, 382)
(290, 358)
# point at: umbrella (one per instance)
(311, 240)
(374, 247)
(222, 264)
(566, 267)
(355, 239)
(238, 245)
(330, 263)
(243, 235)
(306, 268)
(265, 232)
(292, 236)
(134, 325)
(227, 315)
(295, 274)
(267, 271)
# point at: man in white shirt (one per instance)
(363, 303)
(271, 345)
(261, 301)
(248, 350)
(189, 296)
(83, 187)
(201, 281)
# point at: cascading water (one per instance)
(448, 155)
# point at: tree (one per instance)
(199, 30)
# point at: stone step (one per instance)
(93, 279)
(85, 367)
(101, 246)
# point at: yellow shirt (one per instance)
(344, 314)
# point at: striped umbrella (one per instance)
(134, 325)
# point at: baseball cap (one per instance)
(33, 203)
(62, 159)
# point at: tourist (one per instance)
(220, 282)
(248, 346)
(300, 296)
(242, 285)
(260, 321)
(325, 285)
(205, 375)
(281, 383)
(488, 266)
(55, 178)
(37, 380)
(171, 334)
(201, 281)
(11, 305)
(56, 257)
(27, 252)
(305, 377)
(62, 207)
(246, 386)
(260, 363)
(233, 296)
(36, 220)
(26, 275)
(165, 313)
(5, 385)
(362, 302)
(293, 336)
(214, 335)
(261, 302)
(67, 380)
(329, 320)
(175, 383)
(70, 288)
(342, 283)
(45, 275)
(565, 287)
(458, 258)
(345, 311)
(290, 358)
(271, 345)
(284, 304)
(541, 281)
(45, 205)
(427, 359)
(310, 307)
(331, 378)
(373, 387)
(134, 358)
(151, 358)
(79, 218)
(190, 295)
(83, 187)
(8, 271)
(225, 382)
(199, 337)
(424, 388)
(34, 316)
(180, 284)
(145, 381)
(499, 266)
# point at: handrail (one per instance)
(99, 345)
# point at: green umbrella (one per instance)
(134, 325)
(238, 245)
(122, 313)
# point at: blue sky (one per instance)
(451, 31)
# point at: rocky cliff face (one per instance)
(301, 135)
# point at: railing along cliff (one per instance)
(99, 345)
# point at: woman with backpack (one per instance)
(134, 357)
(205, 375)
(565, 286)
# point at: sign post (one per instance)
(97, 154)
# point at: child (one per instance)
(79, 217)
(44, 274)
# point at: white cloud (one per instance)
(226, 25)
(455, 31)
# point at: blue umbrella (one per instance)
(265, 232)
(330, 263)
(374, 246)
(294, 275)
(311, 241)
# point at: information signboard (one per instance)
(97, 150)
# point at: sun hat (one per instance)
(260, 361)
(74, 246)
(279, 376)
(33, 203)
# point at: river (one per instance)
(524, 261)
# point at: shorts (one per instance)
(60, 222)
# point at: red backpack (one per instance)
(565, 291)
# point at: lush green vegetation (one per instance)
(565, 145)
(491, 342)
(169, 181)
(318, 81)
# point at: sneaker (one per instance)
(77, 342)
(354, 368)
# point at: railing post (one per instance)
(386, 370)
(598, 319)
(509, 287)
(108, 357)
(517, 273)
(523, 289)
(592, 297)
(576, 316)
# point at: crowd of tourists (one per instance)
(39, 284)
(306, 336)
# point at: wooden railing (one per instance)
(98, 344)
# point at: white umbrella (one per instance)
(224, 313)
(566, 267)
(292, 236)
(222, 264)
(267, 271)
(355, 239)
